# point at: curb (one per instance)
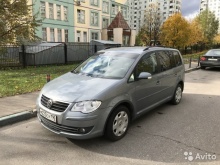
(192, 69)
(17, 117)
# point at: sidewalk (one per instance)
(22, 107)
(17, 108)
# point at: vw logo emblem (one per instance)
(49, 103)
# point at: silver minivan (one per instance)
(109, 90)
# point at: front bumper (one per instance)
(75, 125)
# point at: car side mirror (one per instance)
(145, 75)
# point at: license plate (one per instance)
(212, 59)
(48, 116)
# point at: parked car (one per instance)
(210, 59)
(109, 90)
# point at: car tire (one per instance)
(117, 124)
(202, 67)
(177, 95)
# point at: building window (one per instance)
(84, 36)
(105, 7)
(94, 2)
(51, 11)
(94, 19)
(44, 34)
(114, 9)
(65, 12)
(52, 35)
(66, 36)
(80, 16)
(59, 35)
(124, 12)
(95, 36)
(78, 35)
(105, 23)
(58, 12)
(42, 9)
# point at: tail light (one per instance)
(202, 58)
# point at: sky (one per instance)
(190, 8)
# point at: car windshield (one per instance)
(107, 65)
(213, 53)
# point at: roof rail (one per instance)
(146, 48)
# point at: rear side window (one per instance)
(177, 58)
(172, 59)
(164, 60)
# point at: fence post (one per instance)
(65, 53)
(23, 56)
(95, 48)
(190, 61)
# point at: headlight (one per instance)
(86, 106)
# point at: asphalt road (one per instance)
(162, 136)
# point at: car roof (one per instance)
(137, 50)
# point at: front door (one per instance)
(146, 91)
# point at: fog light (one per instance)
(82, 130)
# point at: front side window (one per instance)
(80, 16)
(107, 65)
(94, 19)
(147, 64)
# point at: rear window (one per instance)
(177, 58)
(213, 53)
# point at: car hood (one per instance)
(71, 87)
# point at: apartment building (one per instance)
(163, 8)
(94, 15)
(57, 20)
(213, 6)
(77, 20)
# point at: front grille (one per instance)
(61, 128)
(56, 106)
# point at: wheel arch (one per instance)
(125, 103)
